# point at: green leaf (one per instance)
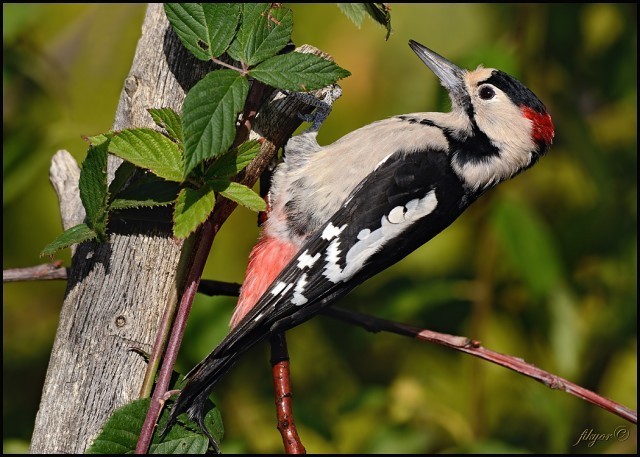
(120, 433)
(147, 191)
(222, 22)
(93, 186)
(298, 72)
(151, 150)
(379, 12)
(233, 162)
(264, 31)
(209, 115)
(354, 11)
(192, 209)
(74, 235)
(169, 120)
(205, 29)
(240, 194)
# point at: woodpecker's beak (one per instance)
(450, 75)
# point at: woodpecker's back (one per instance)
(344, 212)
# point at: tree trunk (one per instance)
(116, 291)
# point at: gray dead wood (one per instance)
(116, 291)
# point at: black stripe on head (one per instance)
(515, 90)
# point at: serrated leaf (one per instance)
(264, 31)
(298, 72)
(379, 12)
(147, 191)
(119, 435)
(240, 194)
(93, 186)
(222, 22)
(354, 11)
(192, 209)
(74, 235)
(151, 150)
(234, 161)
(169, 120)
(209, 115)
(204, 29)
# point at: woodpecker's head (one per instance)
(497, 127)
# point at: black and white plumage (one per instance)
(344, 212)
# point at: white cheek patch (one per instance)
(299, 299)
(392, 225)
(306, 261)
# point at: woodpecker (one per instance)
(344, 212)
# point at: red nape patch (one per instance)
(267, 259)
(542, 125)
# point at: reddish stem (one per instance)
(459, 343)
(208, 233)
(282, 392)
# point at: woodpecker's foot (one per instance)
(322, 101)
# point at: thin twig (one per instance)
(210, 287)
(53, 270)
(459, 343)
(282, 392)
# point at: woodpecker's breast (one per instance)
(312, 183)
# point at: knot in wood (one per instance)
(131, 85)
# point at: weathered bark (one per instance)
(117, 290)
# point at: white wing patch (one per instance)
(306, 261)
(332, 270)
(392, 225)
(331, 231)
(299, 299)
(281, 288)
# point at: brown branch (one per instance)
(472, 347)
(53, 270)
(282, 392)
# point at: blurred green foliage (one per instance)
(544, 267)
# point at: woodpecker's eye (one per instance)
(487, 93)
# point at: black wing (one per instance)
(406, 201)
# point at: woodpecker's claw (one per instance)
(322, 101)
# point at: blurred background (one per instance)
(544, 267)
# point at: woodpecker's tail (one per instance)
(201, 381)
